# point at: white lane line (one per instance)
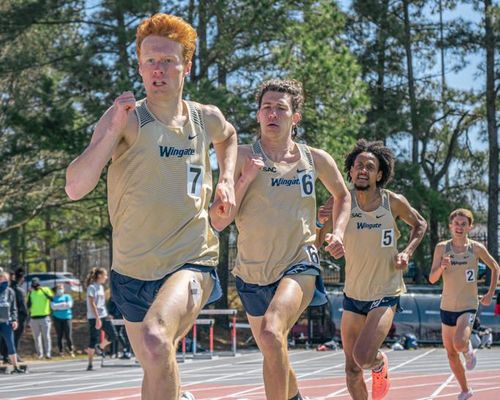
(76, 390)
(441, 388)
(83, 387)
(412, 359)
(260, 387)
(453, 395)
(131, 396)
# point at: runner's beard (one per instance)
(361, 188)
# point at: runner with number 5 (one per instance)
(456, 261)
(277, 269)
(374, 265)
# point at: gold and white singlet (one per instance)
(158, 196)
(276, 219)
(370, 242)
(460, 280)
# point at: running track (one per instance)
(421, 374)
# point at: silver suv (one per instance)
(51, 279)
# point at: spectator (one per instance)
(22, 310)
(8, 318)
(39, 299)
(121, 332)
(62, 315)
(97, 312)
(3, 344)
(481, 336)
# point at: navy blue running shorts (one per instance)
(364, 307)
(256, 298)
(450, 317)
(134, 297)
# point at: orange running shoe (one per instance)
(380, 380)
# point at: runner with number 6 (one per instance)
(277, 269)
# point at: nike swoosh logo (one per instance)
(379, 216)
(192, 137)
(299, 171)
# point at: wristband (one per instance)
(319, 225)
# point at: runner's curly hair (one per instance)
(384, 155)
(171, 27)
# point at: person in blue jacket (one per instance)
(62, 316)
(8, 319)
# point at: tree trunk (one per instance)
(433, 230)
(411, 83)
(123, 63)
(202, 40)
(191, 9)
(492, 136)
(47, 243)
(221, 61)
(381, 61)
(14, 248)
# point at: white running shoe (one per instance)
(465, 395)
(189, 396)
(470, 360)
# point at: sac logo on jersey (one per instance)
(169, 151)
(366, 225)
(269, 169)
(285, 182)
(356, 215)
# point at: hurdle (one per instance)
(231, 311)
(201, 321)
(204, 321)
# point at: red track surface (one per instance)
(486, 386)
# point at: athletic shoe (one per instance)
(90, 367)
(187, 396)
(99, 351)
(465, 395)
(380, 380)
(17, 371)
(470, 359)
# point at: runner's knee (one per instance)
(452, 355)
(363, 358)
(353, 371)
(271, 340)
(461, 344)
(157, 346)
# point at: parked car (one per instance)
(51, 279)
